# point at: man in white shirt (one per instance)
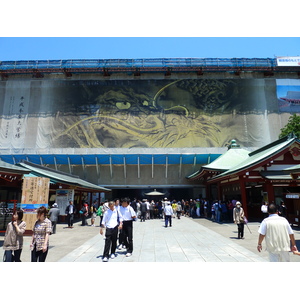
(112, 221)
(168, 213)
(279, 236)
(128, 215)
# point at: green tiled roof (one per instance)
(60, 177)
(9, 168)
(224, 162)
(259, 155)
(229, 159)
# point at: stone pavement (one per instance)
(185, 241)
(188, 240)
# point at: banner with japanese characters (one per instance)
(35, 193)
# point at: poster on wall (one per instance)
(288, 94)
(35, 193)
(62, 199)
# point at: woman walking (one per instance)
(40, 237)
(13, 240)
(239, 219)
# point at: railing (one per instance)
(140, 63)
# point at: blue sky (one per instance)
(44, 48)
(148, 29)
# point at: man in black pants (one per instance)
(112, 221)
(143, 209)
(70, 212)
(128, 215)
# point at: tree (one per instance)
(293, 126)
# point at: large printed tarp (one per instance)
(183, 113)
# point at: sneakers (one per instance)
(128, 254)
(112, 256)
(105, 259)
(120, 247)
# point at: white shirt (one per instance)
(277, 230)
(263, 226)
(168, 210)
(110, 218)
(127, 213)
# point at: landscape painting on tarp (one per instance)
(150, 113)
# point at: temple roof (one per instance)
(61, 177)
(258, 156)
(12, 169)
(233, 156)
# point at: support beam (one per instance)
(82, 162)
(124, 162)
(69, 163)
(243, 195)
(110, 166)
(55, 163)
(139, 168)
(180, 166)
(167, 161)
(97, 165)
(152, 166)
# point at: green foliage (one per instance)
(293, 126)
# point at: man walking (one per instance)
(279, 236)
(168, 214)
(70, 212)
(128, 215)
(143, 209)
(112, 221)
(54, 216)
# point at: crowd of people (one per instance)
(117, 217)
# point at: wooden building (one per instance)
(11, 185)
(270, 173)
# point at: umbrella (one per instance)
(246, 222)
(154, 193)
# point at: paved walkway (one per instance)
(188, 240)
(185, 241)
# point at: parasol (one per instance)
(154, 193)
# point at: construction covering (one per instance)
(143, 114)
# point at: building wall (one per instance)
(180, 111)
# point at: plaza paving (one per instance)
(188, 240)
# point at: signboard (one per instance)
(292, 196)
(287, 61)
(62, 199)
(35, 193)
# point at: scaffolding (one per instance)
(140, 65)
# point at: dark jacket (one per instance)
(143, 207)
(68, 208)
